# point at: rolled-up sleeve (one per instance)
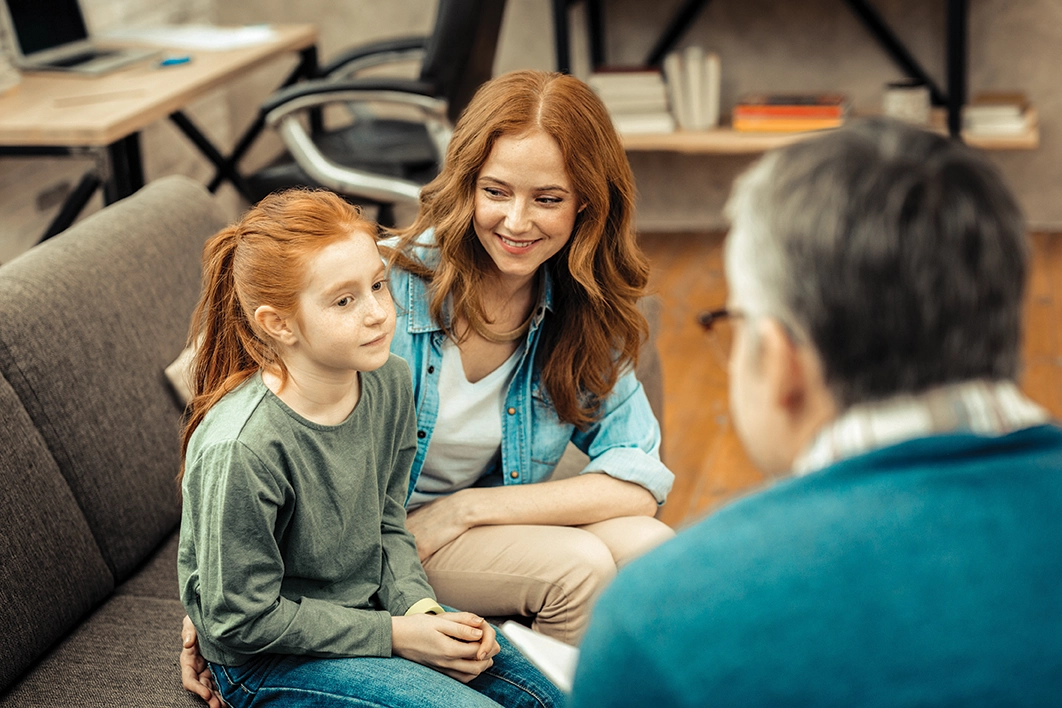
(625, 442)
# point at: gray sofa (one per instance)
(88, 504)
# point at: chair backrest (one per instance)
(459, 57)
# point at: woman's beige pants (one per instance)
(550, 573)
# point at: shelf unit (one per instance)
(726, 141)
(950, 98)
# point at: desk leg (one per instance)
(73, 205)
(306, 69)
(225, 168)
(126, 174)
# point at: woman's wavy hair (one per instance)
(596, 329)
(261, 259)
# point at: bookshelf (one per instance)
(726, 141)
(950, 99)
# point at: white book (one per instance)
(999, 118)
(693, 60)
(996, 126)
(641, 123)
(994, 111)
(613, 80)
(635, 104)
(656, 92)
(551, 656)
(677, 91)
(712, 88)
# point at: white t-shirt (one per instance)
(466, 441)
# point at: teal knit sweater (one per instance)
(927, 573)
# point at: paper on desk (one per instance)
(201, 37)
(552, 657)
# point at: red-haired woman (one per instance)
(517, 290)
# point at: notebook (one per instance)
(552, 657)
(50, 35)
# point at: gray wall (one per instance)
(801, 45)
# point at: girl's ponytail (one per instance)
(224, 341)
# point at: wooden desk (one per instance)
(62, 114)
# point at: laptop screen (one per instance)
(43, 24)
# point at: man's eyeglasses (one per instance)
(709, 318)
(718, 325)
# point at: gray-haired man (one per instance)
(913, 553)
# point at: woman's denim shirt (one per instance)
(624, 442)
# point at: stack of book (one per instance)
(790, 112)
(997, 114)
(693, 78)
(636, 100)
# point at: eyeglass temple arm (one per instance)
(709, 317)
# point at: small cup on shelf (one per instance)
(907, 100)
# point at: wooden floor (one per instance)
(700, 446)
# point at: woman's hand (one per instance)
(458, 644)
(437, 523)
(195, 675)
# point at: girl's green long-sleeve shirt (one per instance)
(293, 537)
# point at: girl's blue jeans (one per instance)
(299, 681)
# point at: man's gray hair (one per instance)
(901, 255)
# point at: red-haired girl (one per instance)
(295, 564)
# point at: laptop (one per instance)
(50, 35)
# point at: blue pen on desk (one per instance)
(175, 60)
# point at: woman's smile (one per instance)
(525, 205)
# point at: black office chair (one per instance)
(380, 160)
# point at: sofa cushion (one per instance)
(125, 654)
(158, 576)
(53, 572)
(91, 319)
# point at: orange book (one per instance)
(818, 105)
(784, 125)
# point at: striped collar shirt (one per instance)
(981, 407)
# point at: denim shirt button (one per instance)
(514, 474)
(431, 369)
(421, 434)
(512, 411)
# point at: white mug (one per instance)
(908, 101)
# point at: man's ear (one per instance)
(275, 325)
(784, 369)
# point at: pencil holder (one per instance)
(907, 100)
